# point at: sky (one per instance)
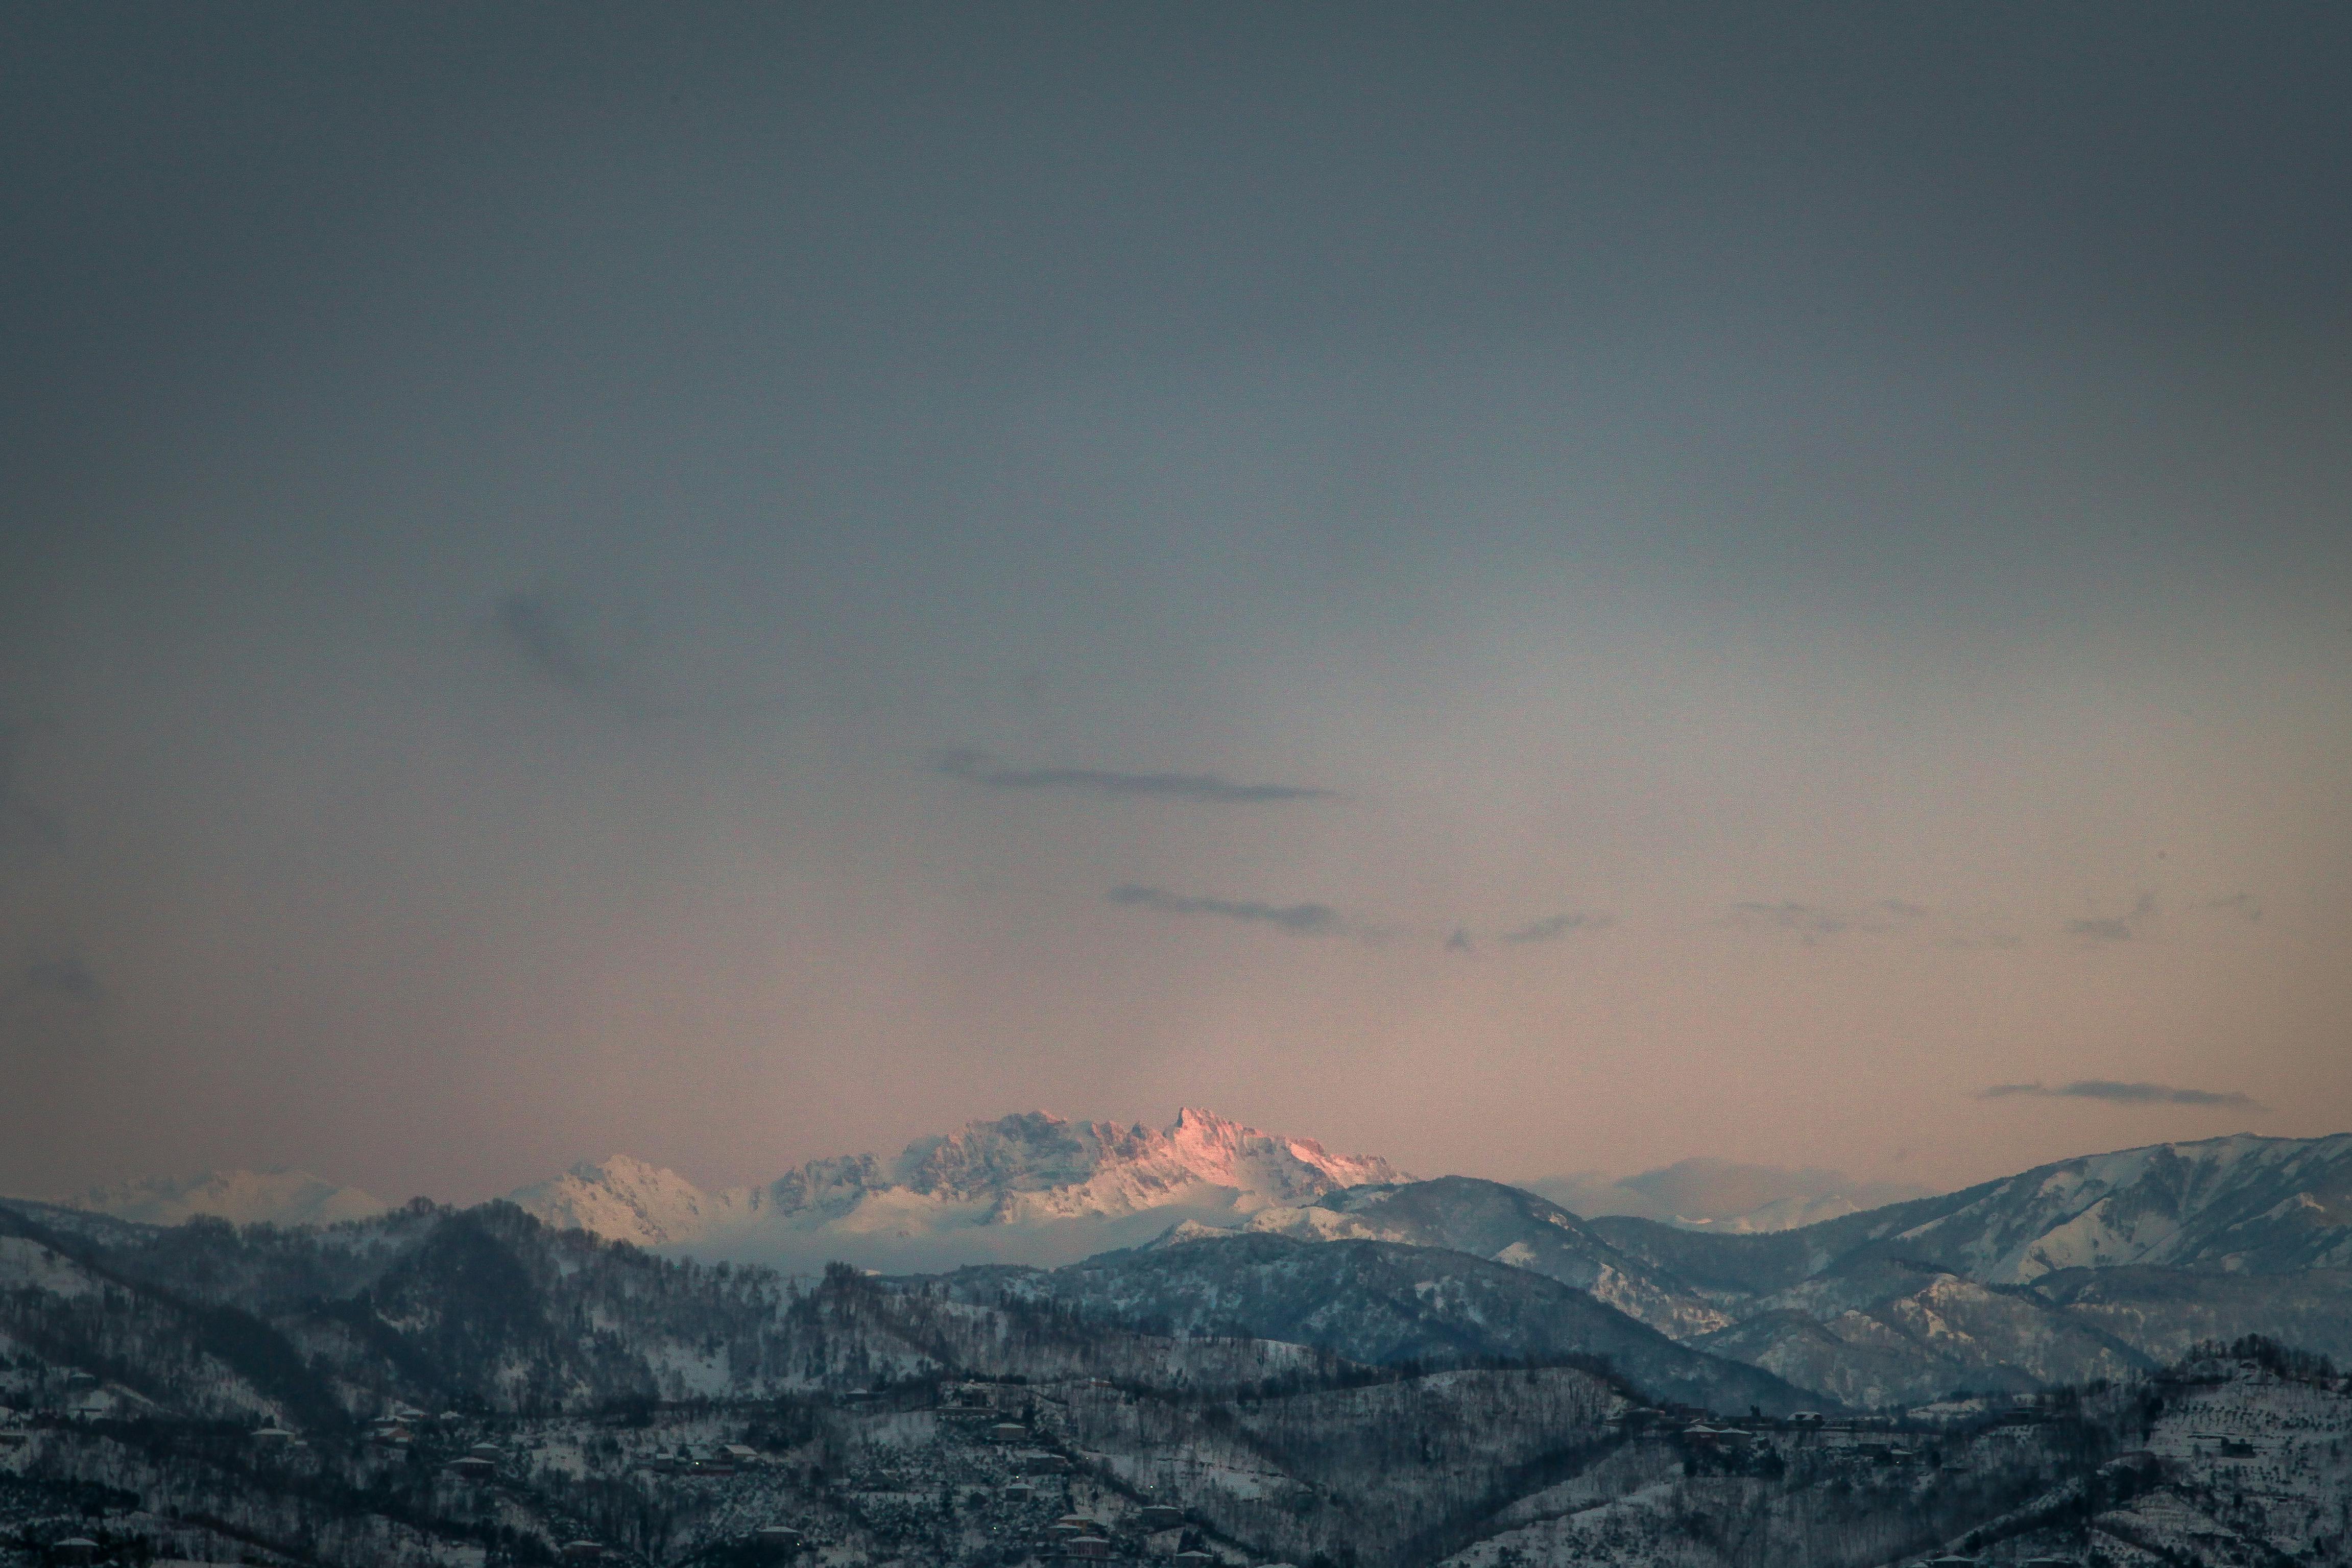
(1523, 589)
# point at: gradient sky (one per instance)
(1519, 589)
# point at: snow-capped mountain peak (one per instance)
(624, 1198)
(1279, 1169)
(1037, 1166)
(274, 1196)
(1031, 1172)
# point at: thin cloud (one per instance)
(2241, 904)
(65, 978)
(17, 811)
(1810, 921)
(2116, 927)
(557, 646)
(1299, 919)
(978, 768)
(530, 629)
(2117, 1093)
(1992, 942)
(1552, 927)
(1460, 941)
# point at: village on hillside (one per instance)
(2225, 1459)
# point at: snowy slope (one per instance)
(1378, 1302)
(1505, 1225)
(277, 1196)
(1725, 1195)
(2239, 1204)
(626, 1199)
(2234, 1205)
(1028, 1188)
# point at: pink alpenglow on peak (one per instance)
(626, 1199)
(1213, 1145)
(1031, 1187)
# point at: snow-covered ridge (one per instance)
(2236, 1204)
(1725, 1197)
(1030, 1187)
(277, 1196)
(1018, 1177)
(626, 1199)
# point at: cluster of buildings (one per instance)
(397, 1427)
(478, 1463)
(1866, 1437)
(710, 1459)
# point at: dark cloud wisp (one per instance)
(2117, 1093)
(2116, 927)
(66, 977)
(979, 768)
(16, 810)
(1552, 927)
(543, 637)
(1299, 919)
(530, 628)
(1811, 922)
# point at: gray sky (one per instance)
(1522, 589)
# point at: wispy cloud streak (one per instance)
(1299, 919)
(2118, 1093)
(69, 976)
(536, 631)
(1811, 922)
(1552, 927)
(63, 979)
(16, 810)
(2116, 927)
(978, 768)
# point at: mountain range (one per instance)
(2089, 1267)
(1019, 1170)
(1028, 1188)
(1704, 1194)
(267, 1396)
(277, 1196)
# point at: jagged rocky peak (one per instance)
(1120, 1167)
(1213, 1146)
(1033, 1168)
(1032, 1150)
(828, 1184)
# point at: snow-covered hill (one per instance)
(1380, 1303)
(1723, 1196)
(2235, 1205)
(2075, 1270)
(626, 1199)
(277, 1196)
(1025, 1188)
(1505, 1224)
